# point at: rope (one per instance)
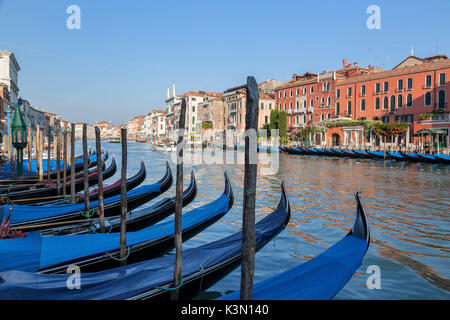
(88, 216)
(119, 259)
(201, 272)
(109, 231)
(171, 289)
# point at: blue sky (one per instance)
(126, 54)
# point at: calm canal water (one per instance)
(407, 205)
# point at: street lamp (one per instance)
(19, 137)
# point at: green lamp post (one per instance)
(19, 137)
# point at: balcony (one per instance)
(310, 109)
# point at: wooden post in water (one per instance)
(123, 199)
(178, 203)
(100, 179)
(65, 160)
(49, 146)
(41, 154)
(58, 157)
(85, 172)
(29, 149)
(250, 176)
(72, 162)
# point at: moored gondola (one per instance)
(136, 219)
(38, 216)
(443, 158)
(95, 252)
(350, 153)
(33, 196)
(202, 267)
(323, 276)
(411, 156)
(427, 158)
(379, 155)
(396, 156)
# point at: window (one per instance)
(193, 109)
(442, 79)
(304, 90)
(349, 107)
(386, 87)
(312, 89)
(328, 116)
(349, 91)
(297, 105)
(363, 105)
(377, 103)
(338, 108)
(441, 99)
(322, 117)
(329, 101)
(385, 103)
(428, 98)
(193, 120)
(285, 93)
(266, 119)
(410, 83)
(409, 118)
(393, 100)
(270, 106)
(291, 93)
(385, 119)
(400, 101)
(400, 85)
(285, 106)
(304, 104)
(377, 87)
(290, 105)
(363, 90)
(322, 102)
(338, 93)
(297, 91)
(376, 118)
(409, 100)
(262, 105)
(428, 81)
(399, 118)
(311, 103)
(279, 94)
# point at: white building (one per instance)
(9, 69)
(32, 115)
(154, 127)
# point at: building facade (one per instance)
(9, 70)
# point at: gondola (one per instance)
(337, 152)
(320, 151)
(322, 277)
(350, 153)
(32, 181)
(427, 158)
(202, 267)
(34, 217)
(108, 191)
(312, 151)
(396, 156)
(95, 252)
(32, 178)
(411, 156)
(136, 219)
(443, 158)
(378, 155)
(328, 152)
(362, 154)
(27, 197)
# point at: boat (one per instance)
(95, 252)
(47, 191)
(151, 279)
(396, 156)
(427, 158)
(114, 140)
(108, 191)
(350, 153)
(322, 277)
(337, 152)
(362, 154)
(378, 155)
(443, 158)
(36, 217)
(136, 219)
(411, 156)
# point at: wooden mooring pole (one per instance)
(49, 146)
(58, 157)
(40, 143)
(85, 172)
(72, 162)
(250, 176)
(100, 179)
(123, 199)
(179, 204)
(29, 149)
(65, 160)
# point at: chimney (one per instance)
(344, 62)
